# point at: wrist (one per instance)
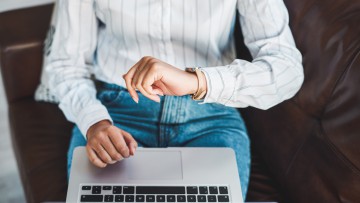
(194, 83)
(199, 92)
(203, 82)
(100, 124)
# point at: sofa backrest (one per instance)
(21, 47)
(311, 142)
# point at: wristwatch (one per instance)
(201, 91)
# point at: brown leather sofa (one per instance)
(306, 149)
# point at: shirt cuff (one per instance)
(91, 115)
(220, 84)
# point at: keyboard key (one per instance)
(109, 198)
(223, 198)
(160, 190)
(96, 190)
(211, 198)
(117, 190)
(129, 190)
(86, 187)
(191, 198)
(201, 198)
(203, 190)
(171, 198)
(223, 190)
(119, 198)
(192, 190)
(129, 198)
(106, 187)
(140, 198)
(160, 198)
(150, 198)
(181, 198)
(91, 198)
(213, 190)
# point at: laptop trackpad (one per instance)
(156, 165)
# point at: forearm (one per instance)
(275, 74)
(259, 84)
(77, 96)
(69, 62)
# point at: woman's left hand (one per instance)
(153, 77)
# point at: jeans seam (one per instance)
(180, 109)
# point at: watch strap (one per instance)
(201, 91)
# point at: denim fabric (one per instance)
(175, 121)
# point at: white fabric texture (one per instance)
(43, 92)
(106, 37)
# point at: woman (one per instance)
(138, 51)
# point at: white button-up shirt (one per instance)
(107, 37)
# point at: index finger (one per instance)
(93, 157)
(130, 141)
(128, 77)
(119, 143)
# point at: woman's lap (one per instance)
(176, 121)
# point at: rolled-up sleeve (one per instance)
(70, 60)
(276, 72)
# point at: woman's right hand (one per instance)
(107, 144)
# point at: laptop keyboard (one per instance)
(125, 193)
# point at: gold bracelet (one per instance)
(201, 91)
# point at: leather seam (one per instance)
(337, 152)
(296, 154)
(22, 46)
(356, 55)
(331, 145)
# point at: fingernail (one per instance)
(136, 99)
(133, 150)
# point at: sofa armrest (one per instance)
(40, 133)
(40, 137)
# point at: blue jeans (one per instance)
(175, 121)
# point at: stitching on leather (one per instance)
(338, 153)
(296, 153)
(356, 55)
(331, 145)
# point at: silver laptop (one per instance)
(158, 175)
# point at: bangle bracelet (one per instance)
(201, 91)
